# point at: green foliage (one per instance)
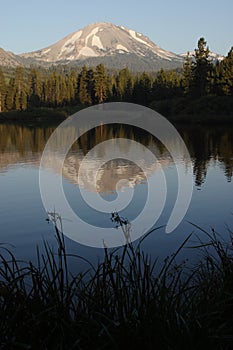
(35, 88)
(142, 90)
(2, 90)
(224, 75)
(202, 68)
(123, 85)
(84, 82)
(100, 84)
(187, 75)
(206, 109)
(167, 85)
(57, 87)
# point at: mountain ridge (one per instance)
(212, 56)
(101, 42)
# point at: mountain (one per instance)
(114, 46)
(9, 59)
(212, 56)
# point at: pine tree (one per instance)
(71, 83)
(9, 102)
(35, 88)
(17, 101)
(167, 84)
(143, 89)
(226, 74)
(122, 82)
(19, 89)
(201, 70)
(23, 100)
(2, 91)
(174, 84)
(160, 85)
(100, 84)
(84, 94)
(53, 93)
(91, 85)
(129, 89)
(187, 76)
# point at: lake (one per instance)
(22, 214)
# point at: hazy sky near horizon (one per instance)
(175, 25)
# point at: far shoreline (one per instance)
(57, 115)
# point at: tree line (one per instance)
(27, 89)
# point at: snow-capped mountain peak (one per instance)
(114, 46)
(99, 40)
(212, 56)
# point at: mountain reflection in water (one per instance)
(23, 145)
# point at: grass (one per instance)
(126, 300)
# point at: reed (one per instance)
(126, 300)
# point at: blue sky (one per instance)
(175, 25)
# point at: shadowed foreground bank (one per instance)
(126, 300)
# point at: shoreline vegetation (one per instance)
(200, 92)
(209, 109)
(126, 300)
(42, 114)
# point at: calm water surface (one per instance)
(22, 215)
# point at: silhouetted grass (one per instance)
(126, 300)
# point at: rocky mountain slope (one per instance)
(9, 59)
(114, 46)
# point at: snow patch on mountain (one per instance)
(46, 51)
(97, 42)
(212, 56)
(121, 47)
(74, 38)
(92, 33)
(105, 40)
(134, 36)
(65, 49)
(88, 52)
